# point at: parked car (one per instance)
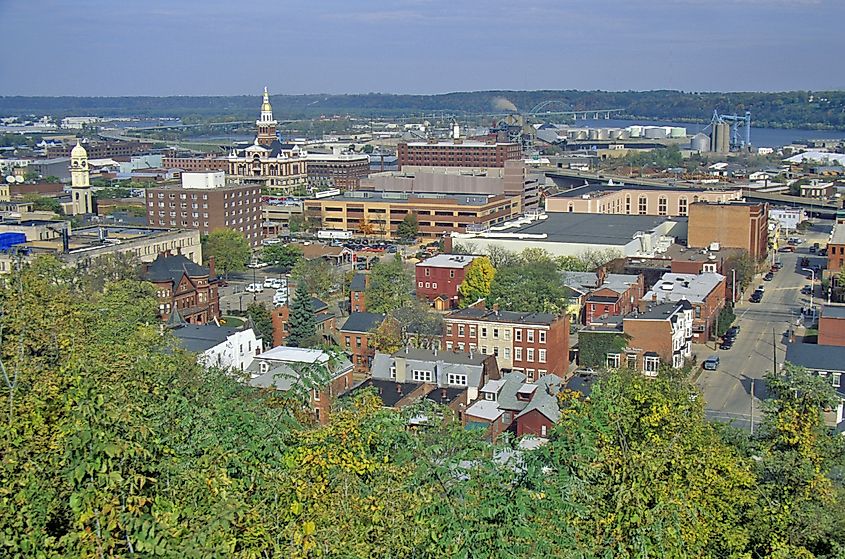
(280, 298)
(254, 288)
(727, 344)
(756, 297)
(257, 265)
(585, 372)
(268, 282)
(732, 331)
(787, 249)
(813, 250)
(769, 276)
(711, 363)
(278, 283)
(807, 290)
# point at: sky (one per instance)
(228, 47)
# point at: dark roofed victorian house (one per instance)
(186, 286)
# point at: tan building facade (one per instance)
(375, 213)
(632, 200)
(736, 225)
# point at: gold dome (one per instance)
(265, 105)
(78, 151)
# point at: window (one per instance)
(449, 328)
(662, 205)
(613, 360)
(460, 328)
(529, 354)
(451, 273)
(517, 353)
(541, 355)
(643, 205)
(393, 371)
(542, 335)
(529, 335)
(517, 335)
(472, 331)
(506, 335)
(682, 205)
(496, 351)
(837, 379)
(632, 361)
(483, 331)
(529, 373)
(317, 394)
(460, 346)
(507, 353)
(495, 333)
(357, 341)
(543, 430)
(709, 267)
(427, 272)
(427, 285)
(434, 285)
(628, 204)
(457, 380)
(449, 346)
(419, 284)
(651, 364)
(348, 342)
(421, 376)
(490, 396)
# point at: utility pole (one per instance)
(752, 406)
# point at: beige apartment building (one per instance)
(635, 200)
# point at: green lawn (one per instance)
(232, 321)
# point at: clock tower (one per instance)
(80, 186)
(266, 124)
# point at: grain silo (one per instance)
(700, 143)
(720, 138)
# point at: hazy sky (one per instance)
(222, 47)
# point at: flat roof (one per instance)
(489, 315)
(405, 198)
(603, 188)
(838, 235)
(692, 287)
(464, 143)
(595, 229)
(448, 261)
(833, 311)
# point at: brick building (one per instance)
(197, 163)
(705, 292)
(358, 293)
(102, 150)
(438, 278)
(832, 325)
(325, 322)
(236, 207)
(355, 337)
(836, 250)
(457, 153)
(532, 343)
(279, 368)
(184, 286)
(741, 225)
(380, 213)
(617, 294)
(337, 170)
(599, 198)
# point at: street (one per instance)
(763, 332)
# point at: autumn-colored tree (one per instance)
(476, 283)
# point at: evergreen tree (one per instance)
(302, 328)
(262, 323)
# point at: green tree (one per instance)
(44, 203)
(319, 276)
(302, 329)
(535, 287)
(500, 257)
(262, 323)
(390, 286)
(286, 256)
(229, 248)
(367, 148)
(476, 284)
(408, 227)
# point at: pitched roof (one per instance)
(171, 267)
(545, 400)
(362, 322)
(358, 283)
(198, 338)
(472, 313)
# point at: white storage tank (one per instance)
(635, 131)
(655, 132)
(678, 132)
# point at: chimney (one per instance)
(496, 308)
(601, 272)
(211, 272)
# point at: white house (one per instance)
(219, 346)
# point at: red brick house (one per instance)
(185, 286)
(618, 294)
(832, 325)
(357, 293)
(355, 335)
(706, 292)
(438, 278)
(531, 343)
(326, 322)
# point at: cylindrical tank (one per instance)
(725, 143)
(678, 132)
(655, 132)
(720, 138)
(700, 143)
(603, 133)
(594, 133)
(635, 131)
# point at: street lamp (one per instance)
(812, 286)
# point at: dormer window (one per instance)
(264, 367)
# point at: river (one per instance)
(760, 137)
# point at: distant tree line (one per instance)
(792, 109)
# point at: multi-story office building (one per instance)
(457, 153)
(337, 170)
(233, 206)
(532, 343)
(101, 150)
(198, 163)
(380, 213)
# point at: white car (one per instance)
(254, 288)
(267, 242)
(280, 298)
(257, 265)
(277, 283)
(268, 282)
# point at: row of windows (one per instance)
(505, 332)
(651, 364)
